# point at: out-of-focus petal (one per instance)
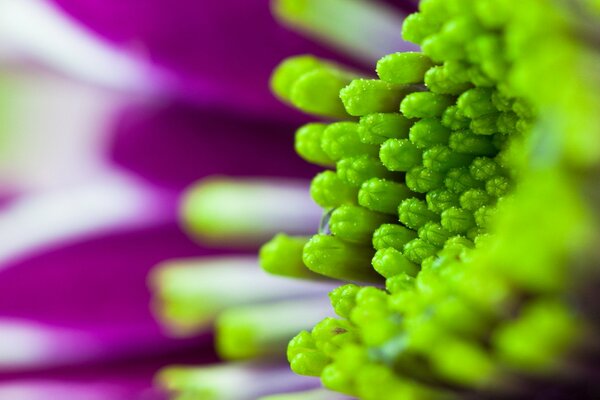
(221, 53)
(33, 31)
(176, 144)
(91, 297)
(39, 221)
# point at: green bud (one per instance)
(400, 154)
(484, 215)
(473, 199)
(454, 119)
(391, 262)
(304, 357)
(329, 191)
(378, 127)
(498, 186)
(476, 102)
(399, 283)
(485, 125)
(414, 213)
(308, 144)
(332, 257)
(459, 179)
(425, 105)
(434, 233)
(422, 180)
(484, 168)
(416, 28)
(438, 80)
(356, 170)
(343, 299)
(418, 249)
(289, 71)
(392, 235)
(468, 143)
(428, 133)
(317, 92)
(441, 199)
(507, 123)
(355, 223)
(406, 67)
(442, 158)
(340, 140)
(367, 96)
(382, 195)
(282, 256)
(457, 220)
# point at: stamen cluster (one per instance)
(423, 191)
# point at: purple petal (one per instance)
(176, 144)
(221, 53)
(90, 299)
(124, 379)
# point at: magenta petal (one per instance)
(97, 289)
(221, 52)
(125, 379)
(176, 144)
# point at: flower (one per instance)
(461, 179)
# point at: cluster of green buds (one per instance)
(453, 208)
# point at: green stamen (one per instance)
(422, 179)
(308, 144)
(476, 102)
(454, 119)
(264, 330)
(441, 199)
(329, 191)
(312, 85)
(434, 233)
(289, 71)
(414, 213)
(457, 220)
(357, 170)
(355, 224)
(466, 142)
(474, 199)
(341, 140)
(304, 357)
(367, 96)
(428, 132)
(316, 92)
(403, 68)
(378, 127)
(442, 158)
(485, 125)
(335, 258)
(282, 256)
(418, 249)
(246, 212)
(497, 186)
(390, 262)
(392, 235)
(400, 154)
(440, 80)
(425, 105)
(382, 195)
(459, 180)
(191, 293)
